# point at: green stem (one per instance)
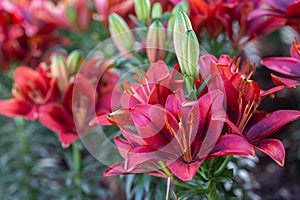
(76, 162)
(169, 57)
(223, 166)
(137, 56)
(212, 191)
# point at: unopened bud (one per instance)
(142, 9)
(59, 71)
(156, 10)
(181, 26)
(155, 42)
(183, 6)
(190, 53)
(74, 61)
(120, 32)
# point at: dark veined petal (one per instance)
(184, 171)
(232, 144)
(289, 83)
(118, 169)
(150, 121)
(56, 118)
(270, 124)
(15, 108)
(273, 148)
(285, 65)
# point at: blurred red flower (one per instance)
(289, 66)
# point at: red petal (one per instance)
(289, 83)
(232, 144)
(101, 120)
(184, 171)
(293, 10)
(56, 118)
(67, 138)
(157, 72)
(285, 65)
(273, 148)
(270, 124)
(150, 123)
(118, 169)
(15, 108)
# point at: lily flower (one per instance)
(243, 118)
(289, 66)
(32, 88)
(284, 10)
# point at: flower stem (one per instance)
(137, 56)
(76, 162)
(222, 167)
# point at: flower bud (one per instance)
(74, 61)
(190, 52)
(155, 42)
(59, 71)
(181, 26)
(120, 32)
(183, 6)
(156, 10)
(142, 10)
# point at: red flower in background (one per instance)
(286, 10)
(223, 15)
(289, 66)
(68, 14)
(243, 98)
(32, 88)
(23, 37)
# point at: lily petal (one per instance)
(289, 83)
(273, 148)
(118, 169)
(15, 108)
(271, 123)
(285, 65)
(232, 144)
(184, 171)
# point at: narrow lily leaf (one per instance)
(273, 148)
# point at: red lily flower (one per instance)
(289, 66)
(182, 140)
(286, 10)
(243, 98)
(219, 16)
(32, 88)
(23, 37)
(163, 126)
(81, 101)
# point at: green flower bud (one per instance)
(155, 42)
(59, 71)
(156, 10)
(181, 26)
(190, 52)
(142, 9)
(120, 32)
(183, 6)
(74, 61)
